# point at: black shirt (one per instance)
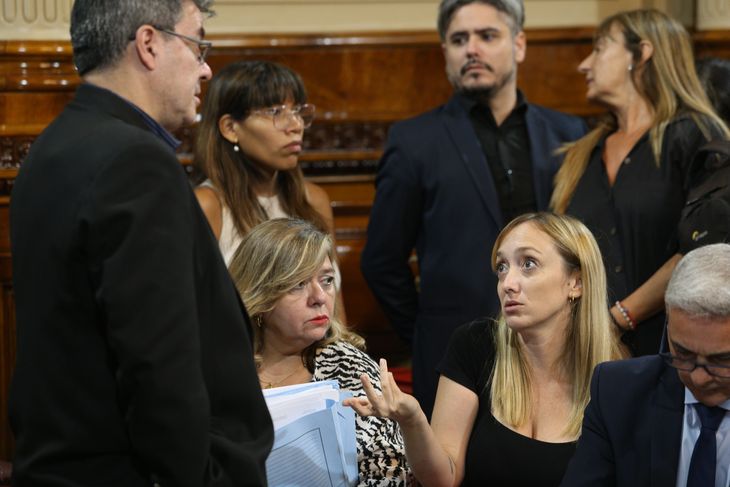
(635, 220)
(497, 455)
(507, 151)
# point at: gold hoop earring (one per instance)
(259, 321)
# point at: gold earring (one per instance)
(259, 321)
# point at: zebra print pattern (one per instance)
(381, 454)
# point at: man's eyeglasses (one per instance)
(203, 47)
(686, 365)
(283, 117)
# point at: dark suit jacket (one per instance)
(435, 192)
(134, 358)
(632, 428)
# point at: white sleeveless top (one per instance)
(230, 239)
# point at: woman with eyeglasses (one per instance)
(249, 139)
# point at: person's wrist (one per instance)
(626, 315)
(410, 413)
(617, 322)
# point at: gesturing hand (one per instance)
(392, 403)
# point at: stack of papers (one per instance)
(314, 436)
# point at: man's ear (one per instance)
(146, 45)
(227, 126)
(520, 43)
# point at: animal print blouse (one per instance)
(381, 455)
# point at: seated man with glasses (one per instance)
(663, 419)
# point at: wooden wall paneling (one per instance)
(549, 75)
(714, 43)
(356, 77)
(37, 79)
(352, 198)
(7, 330)
(7, 363)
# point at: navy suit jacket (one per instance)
(632, 428)
(435, 192)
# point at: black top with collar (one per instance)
(635, 219)
(507, 150)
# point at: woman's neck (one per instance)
(264, 182)
(543, 350)
(280, 365)
(276, 350)
(634, 116)
(280, 369)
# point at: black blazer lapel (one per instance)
(666, 429)
(541, 147)
(461, 132)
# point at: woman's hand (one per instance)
(392, 403)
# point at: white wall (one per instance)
(48, 19)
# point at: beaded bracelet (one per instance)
(625, 313)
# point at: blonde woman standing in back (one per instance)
(626, 179)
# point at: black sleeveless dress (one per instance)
(497, 455)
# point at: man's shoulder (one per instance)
(631, 373)
(99, 126)
(108, 115)
(417, 123)
(552, 114)
(80, 139)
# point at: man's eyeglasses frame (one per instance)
(203, 47)
(686, 365)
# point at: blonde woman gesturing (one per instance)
(512, 393)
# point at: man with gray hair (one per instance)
(663, 419)
(134, 358)
(451, 178)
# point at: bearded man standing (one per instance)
(450, 179)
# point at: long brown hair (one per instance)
(668, 82)
(236, 90)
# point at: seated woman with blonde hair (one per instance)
(511, 395)
(284, 270)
